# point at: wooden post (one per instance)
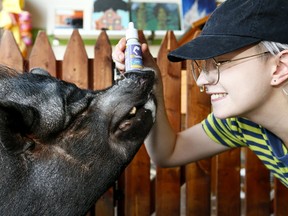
(198, 174)
(75, 62)
(102, 77)
(227, 183)
(137, 185)
(10, 54)
(280, 199)
(102, 64)
(168, 179)
(257, 186)
(42, 54)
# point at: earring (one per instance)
(202, 88)
(274, 80)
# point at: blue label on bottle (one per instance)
(133, 57)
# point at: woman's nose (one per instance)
(202, 80)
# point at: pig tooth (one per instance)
(133, 111)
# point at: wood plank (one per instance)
(102, 77)
(75, 61)
(105, 204)
(137, 185)
(257, 186)
(10, 54)
(168, 180)
(228, 182)
(198, 188)
(74, 68)
(42, 54)
(103, 64)
(198, 174)
(280, 199)
(136, 181)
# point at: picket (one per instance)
(257, 185)
(198, 174)
(102, 63)
(10, 54)
(100, 78)
(42, 55)
(213, 186)
(228, 183)
(75, 62)
(135, 184)
(280, 199)
(137, 188)
(168, 180)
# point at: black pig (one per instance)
(62, 147)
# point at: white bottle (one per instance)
(133, 52)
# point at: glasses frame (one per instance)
(218, 64)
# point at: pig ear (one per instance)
(39, 71)
(15, 123)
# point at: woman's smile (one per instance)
(218, 96)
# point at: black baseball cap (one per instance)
(234, 25)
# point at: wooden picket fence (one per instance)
(209, 187)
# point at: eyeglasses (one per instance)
(211, 68)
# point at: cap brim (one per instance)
(209, 46)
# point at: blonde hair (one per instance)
(273, 47)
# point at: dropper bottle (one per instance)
(133, 52)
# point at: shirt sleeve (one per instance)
(224, 131)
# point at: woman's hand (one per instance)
(118, 56)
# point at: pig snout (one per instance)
(140, 78)
(132, 103)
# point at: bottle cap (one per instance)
(131, 32)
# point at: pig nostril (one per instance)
(142, 81)
(125, 125)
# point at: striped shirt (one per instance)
(240, 132)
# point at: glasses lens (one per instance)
(208, 68)
(197, 66)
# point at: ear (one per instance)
(280, 75)
(15, 123)
(39, 71)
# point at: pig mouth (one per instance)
(137, 117)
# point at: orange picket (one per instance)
(168, 180)
(102, 77)
(10, 54)
(257, 186)
(75, 62)
(103, 68)
(42, 54)
(198, 174)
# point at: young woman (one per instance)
(242, 63)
